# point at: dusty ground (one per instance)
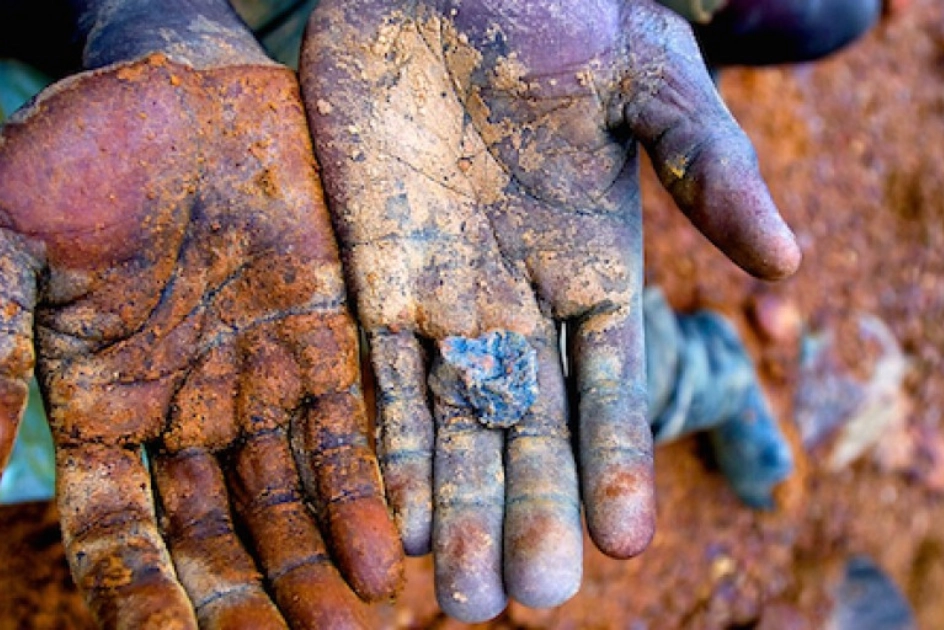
(852, 148)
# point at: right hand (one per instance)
(163, 235)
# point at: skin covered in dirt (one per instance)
(480, 162)
(164, 235)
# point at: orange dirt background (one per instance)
(853, 149)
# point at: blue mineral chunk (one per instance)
(496, 375)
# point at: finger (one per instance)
(341, 475)
(334, 457)
(275, 379)
(405, 435)
(543, 532)
(18, 271)
(118, 558)
(308, 589)
(615, 443)
(217, 573)
(467, 520)
(701, 155)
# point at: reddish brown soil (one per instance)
(852, 148)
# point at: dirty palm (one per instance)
(163, 232)
(480, 159)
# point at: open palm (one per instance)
(480, 161)
(162, 232)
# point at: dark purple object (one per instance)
(764, 32)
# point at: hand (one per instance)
(163, 234)
(480, 162)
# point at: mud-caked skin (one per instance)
(164, 237)
(481, 168)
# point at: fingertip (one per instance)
(467, 559)
(253, 610)
(760, 241)
(786, 260)
(621, 511)
(482, 607)
(416, 539)
(772, 255)
(409, 492)
(544, 559)
(369, 549)
(725, 197)
(314, 596)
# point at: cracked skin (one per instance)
(184, 284)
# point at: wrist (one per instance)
(199, 33)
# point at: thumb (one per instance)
(703, 158)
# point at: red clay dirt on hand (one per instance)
(163, 235)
